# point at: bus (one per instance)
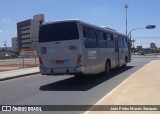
(76, 47)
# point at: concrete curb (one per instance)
(18, 76)
(145, 57)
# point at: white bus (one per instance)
(76, 47)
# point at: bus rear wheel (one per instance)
(107, 67)
(126, 60)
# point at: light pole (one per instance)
(126, 7)
(130, 38)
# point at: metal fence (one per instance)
(11, 63)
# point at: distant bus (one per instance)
(76, 47)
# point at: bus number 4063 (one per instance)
(72, 47)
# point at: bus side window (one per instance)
(86, 36)
(105, 38)
(111, 37)
(86, 33)
(125, 42)
(101, 40)
(121, 42)
(110, 42)
(93, 42)
(89, 36)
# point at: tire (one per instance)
(124, 65)
(107, 68)
(126, 59)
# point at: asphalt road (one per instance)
(65, 90)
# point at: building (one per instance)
(139, 48)
(147, 50)
(15, 45)
(152, 45)
(27, 32)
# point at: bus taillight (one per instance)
(79, 58)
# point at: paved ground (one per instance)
(64, 90)
(12, 74)
(146, 56)
(141, 88)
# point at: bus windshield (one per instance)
(58, 32)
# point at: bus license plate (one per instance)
(59, 62)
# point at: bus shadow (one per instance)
(83, 83)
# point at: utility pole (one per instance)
(126, 7)
(5, 44)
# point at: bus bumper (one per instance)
(56, 71)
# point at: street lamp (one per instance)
(150, 26)
(129, 34)
(147, 27)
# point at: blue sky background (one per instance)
(110, 13)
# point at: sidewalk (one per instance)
(18, 73)
(141, 88)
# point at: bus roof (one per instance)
(104, 28)
(59, 21)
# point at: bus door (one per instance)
(116, 51)
(121, 51)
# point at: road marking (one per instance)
(118, 86)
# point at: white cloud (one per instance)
(6, 20)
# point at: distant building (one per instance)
(139, 48)
(27, 32)
(147, 50)
(14, 44)
(152, 45)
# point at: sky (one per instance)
(110, 13)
